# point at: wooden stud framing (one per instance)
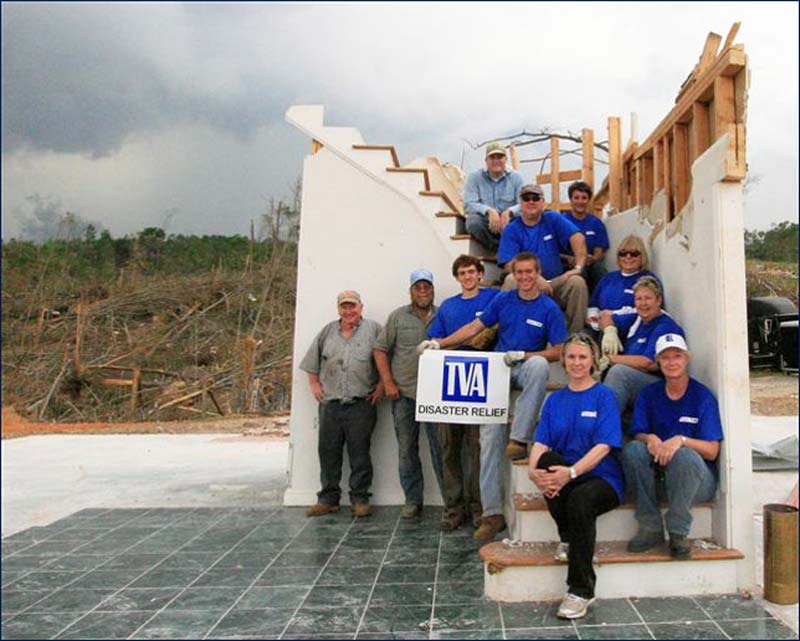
(644, 180)
(699, 132)
(587, 164)
(512, 151)
(667, 176)
(724, 105)
(555, 195)
(615, 163)
(316, 145)
(681, 178)
(571, 174)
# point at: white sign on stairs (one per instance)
(462, 387)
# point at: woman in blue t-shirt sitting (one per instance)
(614, 293)
(677, 433)
(571, 464)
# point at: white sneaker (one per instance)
(573, 607)
(562, 552)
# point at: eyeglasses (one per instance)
(531, 197)
(630, 253)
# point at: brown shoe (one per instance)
(361, 509)
(451, 520)
(318, 509)
(516, 450)
(490, 525)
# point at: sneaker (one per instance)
(490, 525)
(319, 509)
(645, 540)
(573, 607)
(516, 450)
(451, 520)
(679, 546)
(361, 509)
(410, 511)
(562, 552)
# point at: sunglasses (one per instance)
(531, 197)
(630, 253)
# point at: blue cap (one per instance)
(421, 274)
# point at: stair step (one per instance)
(536, 503)
(529, 572)
(442, 195)
(488, 259)
(390, 148)
(460, 237)
(449, 214)
(413, 170)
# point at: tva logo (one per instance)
(465, 378)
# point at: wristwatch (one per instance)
(573, 473)
(683, 441)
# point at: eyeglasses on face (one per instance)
(631, 253)
(531, 197)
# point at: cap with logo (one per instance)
(495, 148)
(348, 296)
(532, 189)
(421, 274)
(670, 340)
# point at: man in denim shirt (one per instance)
(489, 196)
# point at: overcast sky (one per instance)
(134, 115)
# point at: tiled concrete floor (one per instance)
(273, 573)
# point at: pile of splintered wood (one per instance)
(156, 349)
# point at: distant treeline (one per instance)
(778, 244)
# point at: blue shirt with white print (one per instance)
(457, 311)
(548, 239)
(526, 325)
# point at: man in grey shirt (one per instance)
(405, 328)
(343, 379)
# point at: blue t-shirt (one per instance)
(526, 325)
(615, 291)
(641, 337)
(457, 311)
(548, 239)
(592, 229)
(694, 415)
(572, 423)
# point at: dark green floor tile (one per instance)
(371, 528)
(415, 540)
(302, 559)
(31, 534)
(470, 634)
(78, 562)
(757, 629)
(51, 549)
(261, 547)
(396, 619)
(731, 606)
(633, 631)
(11, 547)
(459, 593)
(461, 572)
(25, 562)
(609, 611)
(189, 560)
(109, 579)
(407, 574)
(350, 557)
(71, 600)
(403, 556)
(37, 626)
(365, 543)
(297, 576)
(106, 625)
(535, 614)
(239, 624)
(565, 632)
(357, 575)
(364, 636)
(205, 598)
(688, 630)
(238, 559)
(8, 578)
(318, 635)
(311, 544)
(138, 599)
(665, 610)
(228, 577)
(333, 595)
(134, 561)
(45, 580)
(14, 601)
(331, 620)
(485, 616)
(273, 597)
(80, 535)
(388, 594)
(165, 578)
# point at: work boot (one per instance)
(645, 540)
(679, 546)
(490, 525)
(318, 509)
(361, 509)
(410, 511)
(516, 450)
(477, 512)
(451, 519)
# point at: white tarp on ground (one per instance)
(774, 442)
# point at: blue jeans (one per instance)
(531, 377)
(478, 227)
(407, 431)
(686, 480)
(626, 383)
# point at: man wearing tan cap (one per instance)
(344, 380)
(489, 196)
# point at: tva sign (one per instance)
(466, 379)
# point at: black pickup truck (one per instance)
(772, 333)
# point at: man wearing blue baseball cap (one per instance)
(396, 359)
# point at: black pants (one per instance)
(343, 424)
(461, 467)
(575, 511)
